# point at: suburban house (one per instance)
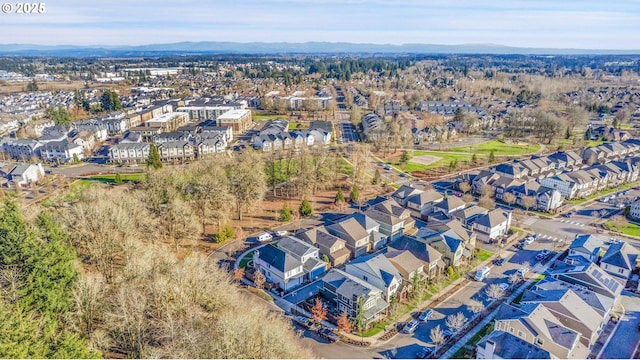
(394, 220)
(331, 246)
(61, 151)
(176, 151)
(601, 303)
(25, 174)
(585, 246)
(503, 345)
(547, 199)
(619, 260)
(129, 153)
(463, 233)
(409, 266)
(420, 201)
(378, 271)
(450, 245)
(492, 225)
(355, 235)
(634, 212)
(289, 264)
(403, 193)
(21, 149)
(376, 239)
(419, 248)
(470, 213)
(591, 277)
(535, 324)
(350, 292)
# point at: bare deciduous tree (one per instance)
(436, 335)
(475, 306)
(509, 198)
(494, 292)
(456, 322)
(464, 187)
(258, 279)
(529, 202)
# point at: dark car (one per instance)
(424, 352)
(499, 262)
(328, 335)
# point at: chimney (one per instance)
(490, 348)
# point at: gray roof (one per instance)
(278, 258)
(404, 261)
(508, 346)
(621, 255)
(377, 265)
(425, 197)
(586, 243)
(19, 169)
(450, 203)
(405, 191)
(295, 247)
(418, 247)
(492, 219)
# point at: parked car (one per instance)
(328, 335)
(499, 261)
(303, 321)
(535, 236)
(529, 240)
(281, 232)
(426, 315)
(545, 252)
(523, 271)
(447, 334)
(540, 256)
(614, 241)
(503, 286)
(424, 352)
(387, 167)
(410, 327)
(264, 236)
(481, 273)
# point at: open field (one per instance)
(436, 159)
(111, 178)
(630, 229)
(264, 117)
(499, 148)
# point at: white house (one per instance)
(24, 174)
(129, 152)
(61, 151)
(492, 225)
(619, 260)
(378, 271)
(635, 210)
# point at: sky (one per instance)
(578, 24)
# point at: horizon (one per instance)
(585, 25)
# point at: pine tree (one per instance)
(339, 197)
(118, 179)
(377, 177)
(305, 208)
(32, 86)
(354, 195)
(492, 157)
(285, 213)
(154, 157)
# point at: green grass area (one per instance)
(298, 126)
(603, 193)
(594, 142)
(111, 178)
(374, 330)
(246, 259)
(346, 167)
(445, 160)
(76, 188)
(484, 254)
(498, 147)
(630, 229)
(263, 117)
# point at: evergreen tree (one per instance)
(110, 101)
(474, 158)
(339, 197)
(492, 157)
(154, 157)
(285, 213)
(377, 177)
(32, 86)
(588, 134)
(354, 195)
(76, 159)
(305, 208)
(118, 179)
(567, 134)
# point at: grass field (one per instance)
(498, 147)
(631, 229)
(261, 117)
(111, 178)
(446, 158)
(484, 255)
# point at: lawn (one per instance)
(374, 330)
(76, 188)
(446, 158)
(261, 117)
(111, 178)
(484, 254)
(630, 229)
(463, 352)
(499, 148)
(245, 260)
(603, 193)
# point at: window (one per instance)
(522, 335)
(364, 277)
(511, 330)
(539, 341)
(620, 271)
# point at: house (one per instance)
(355, 235)
(422, 200)
(634, 211)
(279, 267)
(503, 345)
(591, 277)
(492, 225)
(372, 126)
(208, 146)
(419, 248)
(376, 238)
(350, 293)
(289, 264)
(586, 246)
(619, 260)
(394, 220)
(25, 174)
(449, 205)
(333, 247)
(176, 151)
(470, 213)
(403, 193)
(572, 311)
(378, 271)
(409, 266)
(129, 153)
(601, 303)
(547, 199)
(61, 151)
(450, 245)
(535, 324)
(463, 233)
(21, 149)
(565, 160)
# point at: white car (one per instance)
(410, 327)
(503, 286)
(264, 236)
(523, 271)
(281, 232)
(529, 240)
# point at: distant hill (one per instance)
(209, 47)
